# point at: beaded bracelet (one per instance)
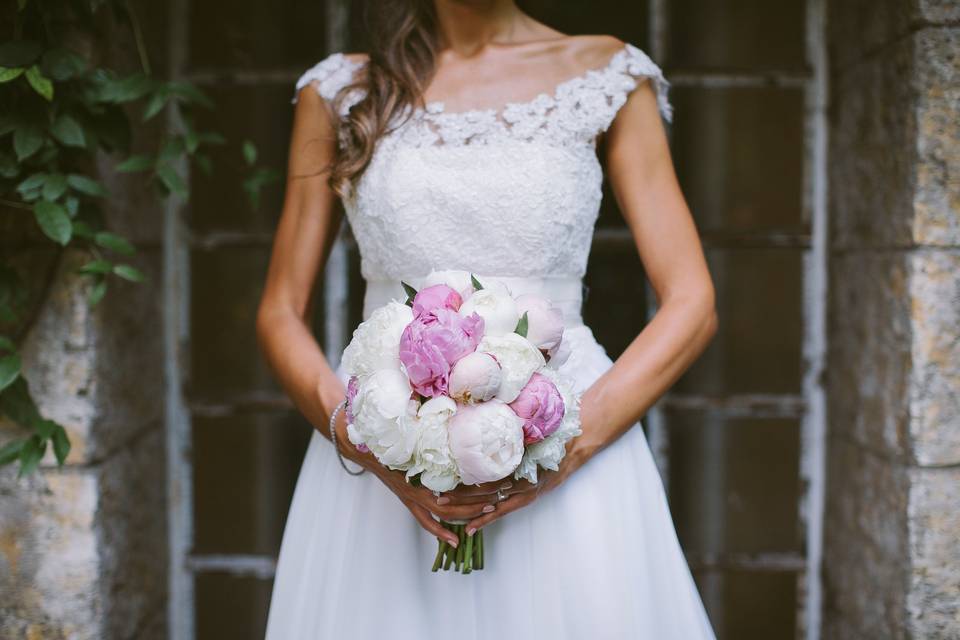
(333, 439)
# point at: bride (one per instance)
(468, 139)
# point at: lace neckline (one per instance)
(542, 100)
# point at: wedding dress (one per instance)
(512, 193)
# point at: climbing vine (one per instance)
(63, 113)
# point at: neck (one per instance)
(466, 26)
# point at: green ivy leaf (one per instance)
(127, 89)
(10, 451)
(44, 427)
(249, 152)
(31, 453)
(128, 272)
(53, 220)
(9, 370)
(114, 242)
(27, 140)
(10, 73)
(40, 83)
(135, 163)
(33, 181)
(68, 131)
(204, 162)
(97, 266)
(172, 180)
(53, 186)
(61, 444)
(97, 292)
(73, 205)
(16, 403)
(86, 185)
(522, 325)
(155, 105)
(476, 283)
(6, 344)
(62, 64)
(189, 93)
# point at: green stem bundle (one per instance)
(467, 556)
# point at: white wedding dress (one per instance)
(514, 193)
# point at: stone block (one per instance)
(933, 603)
(866, 559)
(873, 151)
(49, 556)
(868, 360)
(937, 188)
(935, 373)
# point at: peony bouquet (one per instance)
(459, 384)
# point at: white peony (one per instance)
(376, 341)
(381, 418)
(456, 279)
(550, 451)
(559, 354)
(486, 440)
(518, 359)
(475, 378)
(432, 458)
(498, 310)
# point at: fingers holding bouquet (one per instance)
(456, 393)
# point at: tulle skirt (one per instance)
(596, 557)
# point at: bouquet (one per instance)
(459, 384)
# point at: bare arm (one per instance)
(645, 185)
(644, 182)
(307, 229)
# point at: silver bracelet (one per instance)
(333, 439)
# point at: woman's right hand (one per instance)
(421, 501)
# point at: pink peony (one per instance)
(438, 296)
(544, 321)
(431, 344)
(540, 405)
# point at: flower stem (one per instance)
(468, 555)
(460, 547)
(441, 549)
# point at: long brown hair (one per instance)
(403, 45)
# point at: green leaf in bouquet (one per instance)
(415, 481)
(411, 293)
(522, 325)
(476, 283)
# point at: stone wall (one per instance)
(892, 556)
(83, 548)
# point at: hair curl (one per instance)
(402, 53)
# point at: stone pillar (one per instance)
(892, 532)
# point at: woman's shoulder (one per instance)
(331, 73)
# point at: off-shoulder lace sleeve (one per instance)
(329, 76)
(627, 71)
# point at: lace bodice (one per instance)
(512, 191)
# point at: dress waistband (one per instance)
(565, 292)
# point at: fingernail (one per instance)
(443, 500)
(506, 485)
(470, 532)
(488, 508)
(454, 542)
